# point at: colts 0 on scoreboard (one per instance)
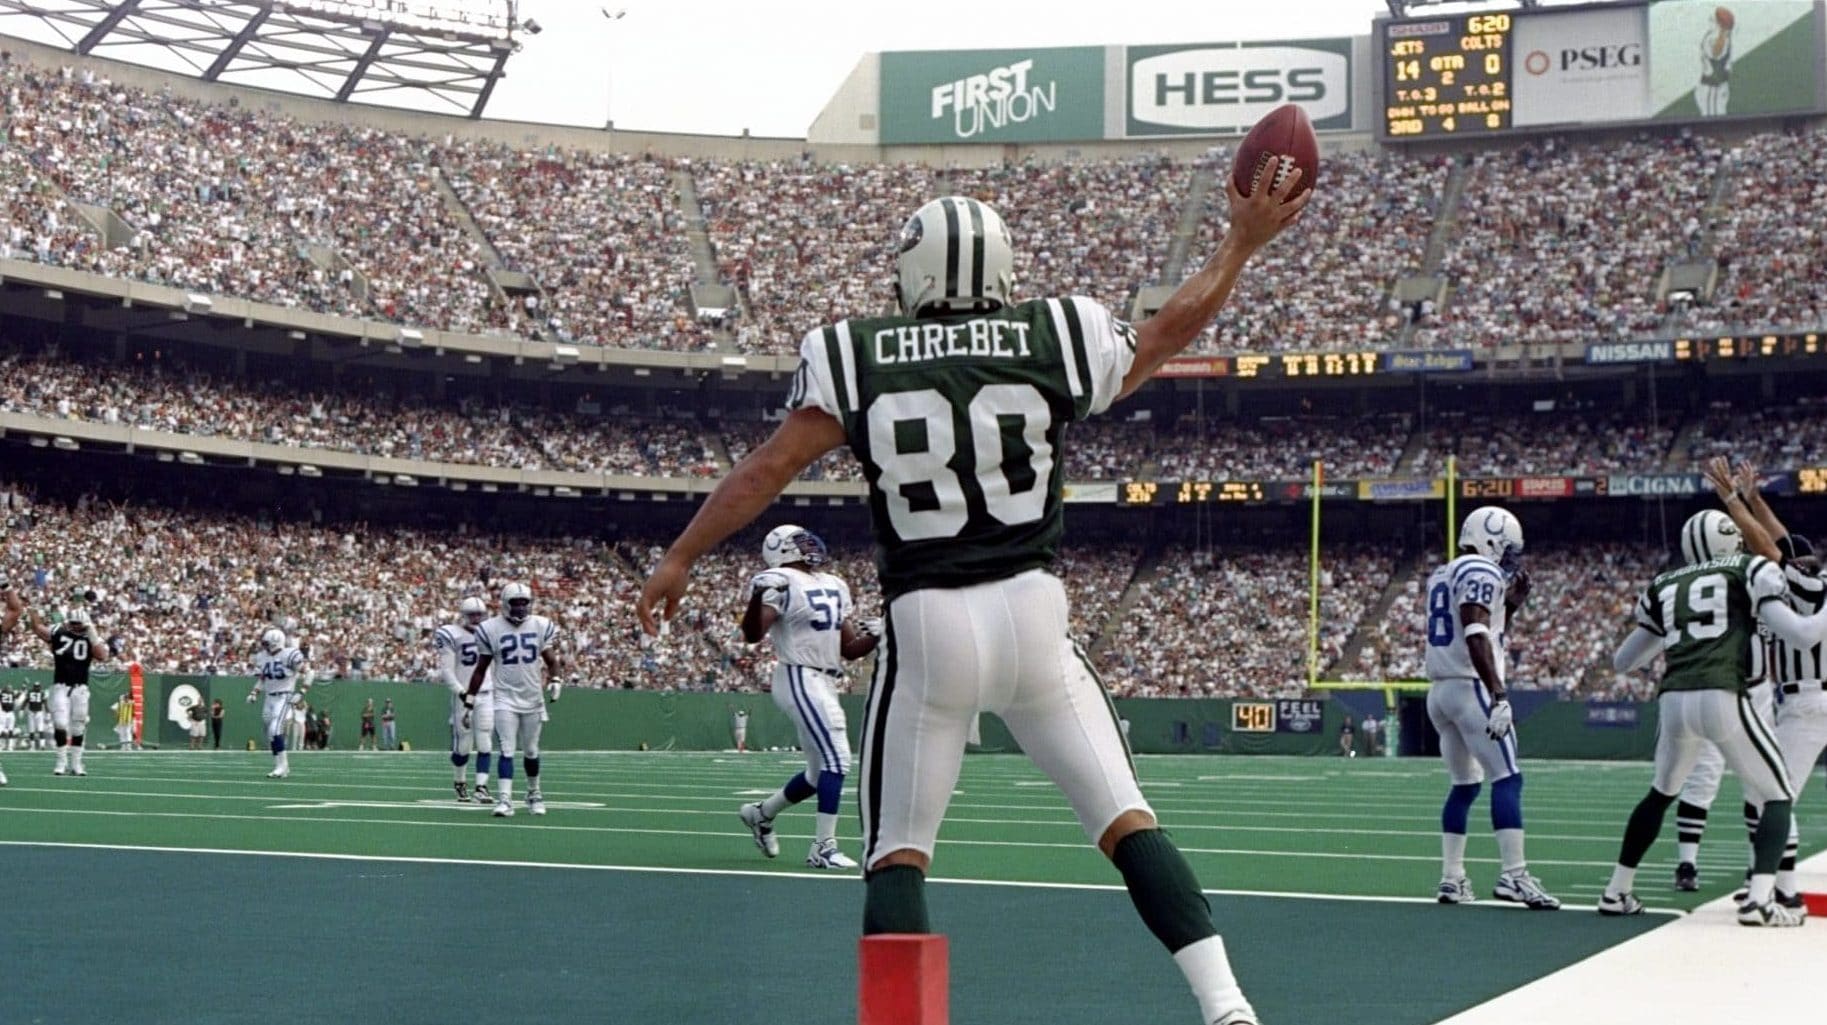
(1446, 76)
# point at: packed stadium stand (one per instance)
(370, 223)
(1547, 242)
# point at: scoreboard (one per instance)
(1575, 66)
(1447, 76)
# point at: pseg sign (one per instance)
(1224, 88)
(1037, 95)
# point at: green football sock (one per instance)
(894, 900)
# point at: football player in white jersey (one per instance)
(806, 613)
(471, 729)
(283, 675)
(517, 644)
(1469, 602)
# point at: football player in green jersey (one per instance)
(1702, 618)
(957, 412)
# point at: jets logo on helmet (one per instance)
(516, 602)
(473, 611)
(956, 256)
(1709, 535)
(273, 640)
(1495, 534)
(77, 620)
(787, 544)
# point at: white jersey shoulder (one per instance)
(812, 607)
(278, 673)
(516, 652)
(457, 653)
(1467, 580)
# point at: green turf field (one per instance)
(641, 898)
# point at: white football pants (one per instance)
(70, 707)
(1691, 719)
(1002, 647)
(1460, 710)
(805, 695)
(472, 729)
(518, 732)
(1702, 786)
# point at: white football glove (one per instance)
(253, 696)
(872, 627)
(553, 689)
(1501, 720)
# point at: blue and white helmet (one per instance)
(1495, 534)
(516, 602)
(788, 544)
(1709, 535)
(473, 611)
(955, 256)
(273, 640)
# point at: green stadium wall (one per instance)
(636, 720)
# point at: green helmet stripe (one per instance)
(976, 210)
(952, 247)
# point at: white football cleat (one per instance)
(1620, 904)
(824, 854)
(1523, 888)
(58, 769)
(504, 809)
(536, 803)
(762, 828)
(1237, 1018)
(2, 777)
(1770, 915)
(482, 795)
(1455, 891)
(278, 774)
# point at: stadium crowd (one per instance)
(1330, 288)
(1553, 241)
(798, 240)
(1207, 623)
(1768, 436)
(1281, 448)
(166, 398)
(1099, 229)
(1561, 242)
(1565, 441)
(1772, 264)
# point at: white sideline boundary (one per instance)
(1701, 969)
(747, 873)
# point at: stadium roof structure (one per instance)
(444, 55)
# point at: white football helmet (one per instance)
(473, 610)
(1710, 535)
(788, 544)
(273, 641)
(78, 620)
(1495, 534)
(516, 602)
(955, 255)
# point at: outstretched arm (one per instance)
(741, 496)
(35, 620)
(1757, 540)
(1255, 220)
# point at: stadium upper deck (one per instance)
(424, 227)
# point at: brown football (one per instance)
(1284, 133)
